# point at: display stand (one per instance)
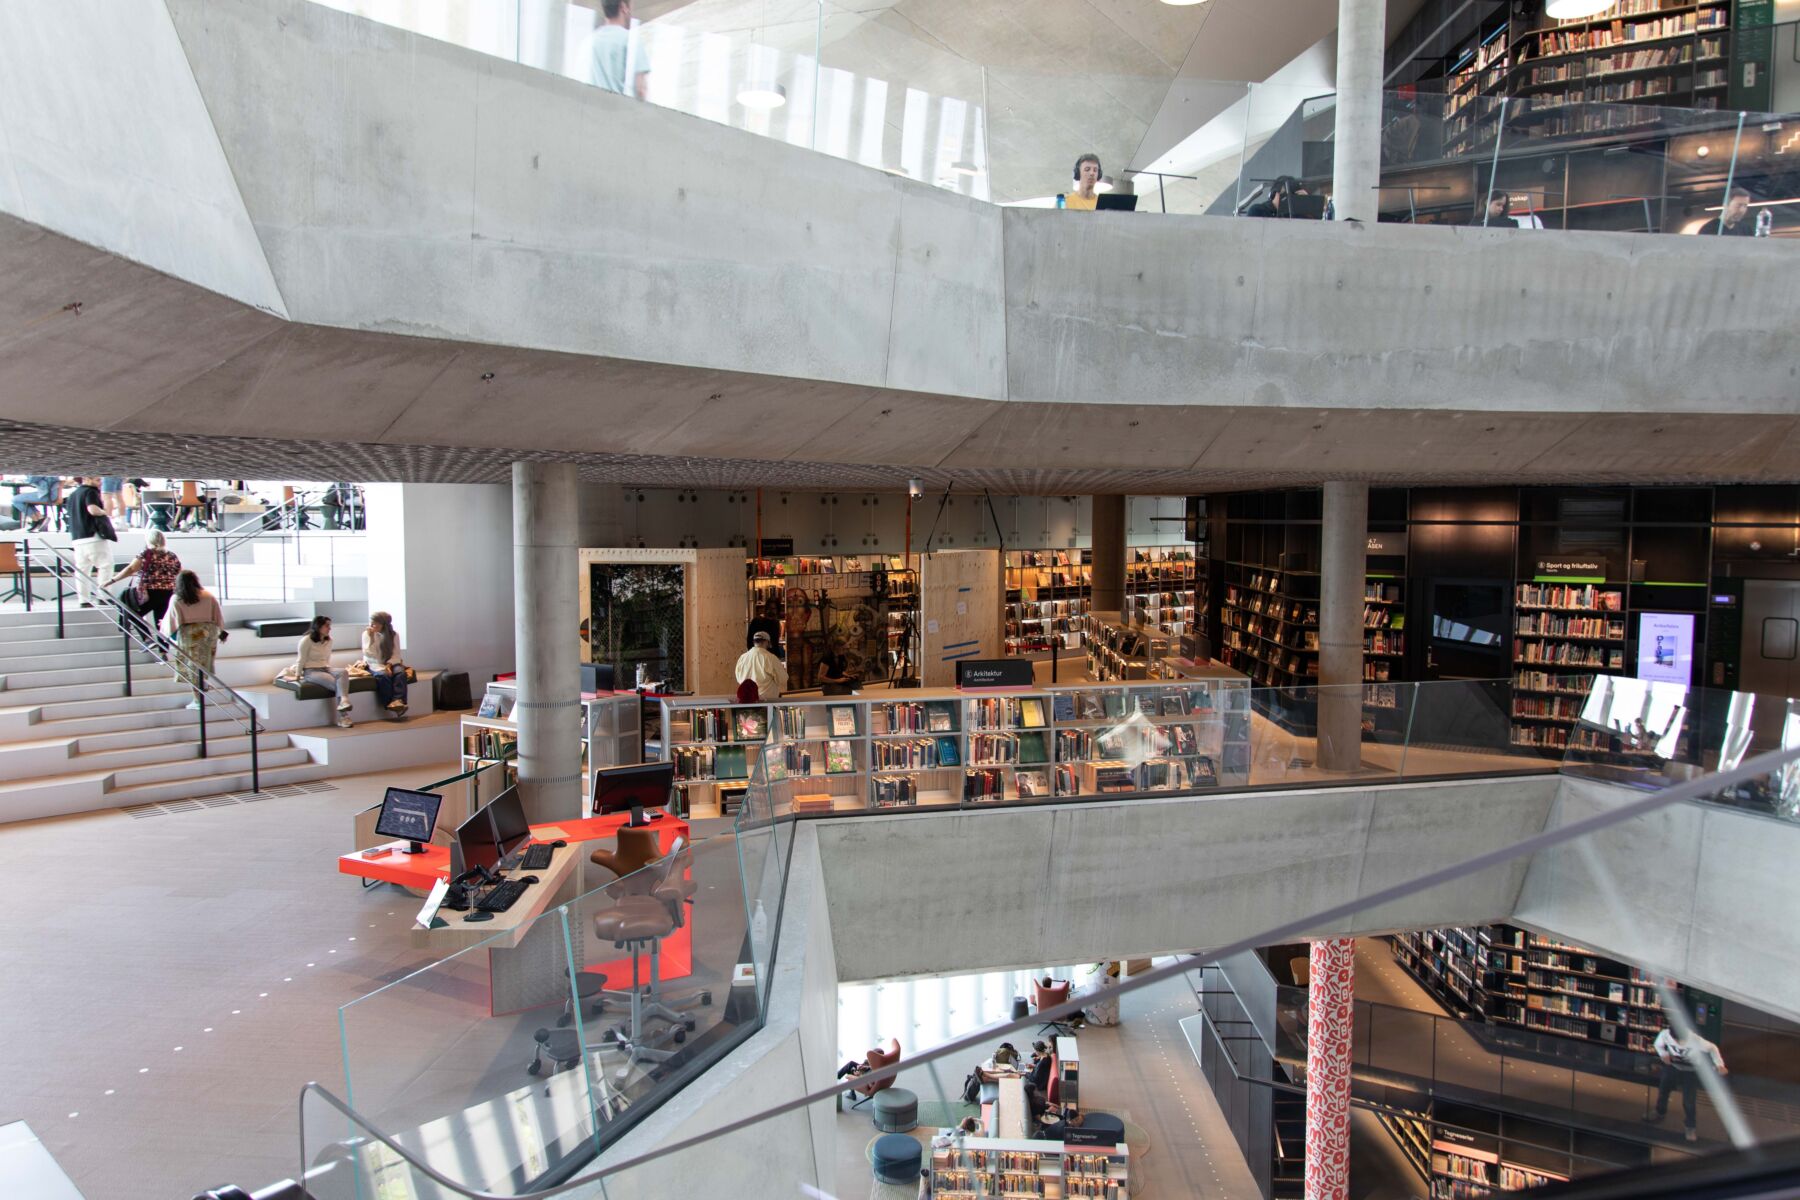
(610, 736)
(870, 602)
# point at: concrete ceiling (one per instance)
(105, 364)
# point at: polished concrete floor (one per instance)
(175, 979)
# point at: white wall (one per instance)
(440, 560)
(860, 522)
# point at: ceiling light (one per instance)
(1183, 3)
(1105, 184)
(965, 168)
(1575, 10)
(762, 95)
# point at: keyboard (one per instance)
(537, 857)
(501, 896)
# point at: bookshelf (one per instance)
(1269, 625)
(1563, 636)
(1048, 593)
(1160, 588)
(880, 583)
(610, 734)
(939, 747)
(1463, 1167)
(1512, 978)
(989, 1168)
(1638, 53)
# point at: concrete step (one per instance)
(212, 785)
(62, 658)
(218, 745)
(161, 684)
(166, 720)
(214, 764)
(140, 702)
(89, 629)
(107, 668)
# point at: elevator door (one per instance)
(1769, 655)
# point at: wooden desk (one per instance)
(527, 964)
(1012, 1113)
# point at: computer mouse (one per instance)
(558, 844)
(529, 880)
(479, 916)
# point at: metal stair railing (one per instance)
(133, 631)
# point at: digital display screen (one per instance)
(1665, 649)
(409, 815)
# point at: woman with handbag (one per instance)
(381, 655)
(198, 624)
(156, 568)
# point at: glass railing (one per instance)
(1603, 1087)
(788, 1133)
(540, 1041)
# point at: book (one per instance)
(752, 724)
(1031, 713)
(731, 762)
(490, 706)
(838, 758)
(843, 720)
(1062, 706)
(1032, 749)
(947, 752)
(939, 720)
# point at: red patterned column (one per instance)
(1330, 1009)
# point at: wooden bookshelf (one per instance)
(1047, 595)
(1564, 634)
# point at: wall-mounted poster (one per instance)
(1665, 649)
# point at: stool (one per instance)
(895, 1110)
(897, 1158)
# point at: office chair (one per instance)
(637, 848)
(1048, 993)
(10, 565)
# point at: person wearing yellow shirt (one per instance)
(1087, 178)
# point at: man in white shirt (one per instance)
(759, 665)
(1680, 1066)
(615, 56)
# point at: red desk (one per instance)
(420, 872)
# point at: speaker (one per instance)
(450, 690)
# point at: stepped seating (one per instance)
(71, 740)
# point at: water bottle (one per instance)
(1765, 223)
(759, 934)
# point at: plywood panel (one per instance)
(717, 616)
(960, 602)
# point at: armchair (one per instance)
(1048, 993)
(885, 1055)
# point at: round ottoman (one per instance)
(895, 1110)
(897, 1158)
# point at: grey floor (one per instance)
(1141, 1070)
(176, 979)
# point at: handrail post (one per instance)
(29, 586)
(125, 638)
(255, 773)
(57, 559)
(200, 695)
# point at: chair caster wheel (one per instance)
(688, 1025)
(536, 1068)
(563, 1021)
(680, 1036)
(706, 999)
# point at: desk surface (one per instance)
(1012, 1115)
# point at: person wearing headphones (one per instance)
(1087, 177)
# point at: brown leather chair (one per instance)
(635, 850)
(1048, 993)
(10, 566)
(883, 1055)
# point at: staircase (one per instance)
(72, 740)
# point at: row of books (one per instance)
(1545, 681)
(1559, 707)
(929, 716)
(1545, 624)
(1384, 642)
(488, 743)
(895, 791)
(914, 754)
(1007, 712)
(710, 762)
(1027, 749)
(1569, 654)
(1618, 33)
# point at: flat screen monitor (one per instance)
(633, 789)
(510, 828)
(475, 840)
(1665, 649)
(409, 815)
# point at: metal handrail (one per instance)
(133, 629)
(1689, 790)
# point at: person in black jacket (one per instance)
(91, 534)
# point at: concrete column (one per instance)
(1109, 553)
(1330, 1014)
(546, 616)
(1356, 157)
(1345, 544)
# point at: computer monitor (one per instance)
(475, 841)
(409, 815)
(634, 788)
(510, 828)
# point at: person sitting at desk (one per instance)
(44, 490)
(1279, 201)
(1084, 198)
(1041, 1062)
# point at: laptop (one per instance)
(1306, 208)
(1115, 202)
